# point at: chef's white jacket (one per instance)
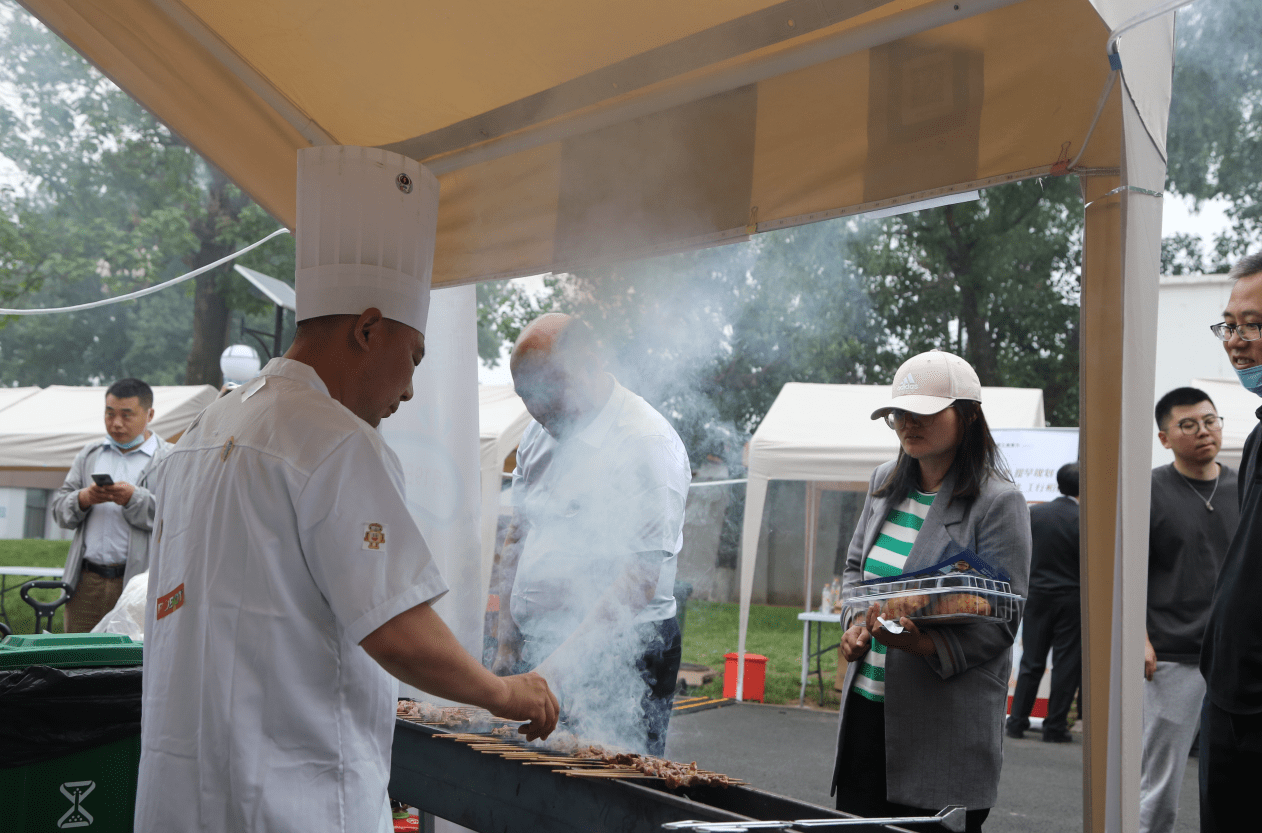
(281, 540)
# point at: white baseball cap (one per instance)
(930, 382)
(365, 232)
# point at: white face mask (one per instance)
(1251, 379)
(128, 446)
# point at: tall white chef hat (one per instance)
(365, 235)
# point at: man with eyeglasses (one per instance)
(1194, 515)
(1231, 654)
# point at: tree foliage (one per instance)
(710, 336)
(113, 202)
(1214, 141)
(995, 280)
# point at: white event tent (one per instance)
(823, 434)
(570, 133)
(502, 417)
(12, 396)
(41, 433)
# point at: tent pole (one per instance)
(812, 512)
(1100, 408)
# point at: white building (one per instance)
(1189, 354)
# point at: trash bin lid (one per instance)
(69, 650)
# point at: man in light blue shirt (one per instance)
(106, 500)
(589, 566)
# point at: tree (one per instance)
(114, 202)
(995, 281)
(1214, 140)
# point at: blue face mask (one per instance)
(140, 438)
(1251, 379)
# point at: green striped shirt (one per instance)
(887, 558)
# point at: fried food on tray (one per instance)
(953, 603)
(901, 606)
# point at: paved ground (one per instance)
(790, 751)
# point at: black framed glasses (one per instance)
(1213, 422)
(1247, 332)
(896, 417)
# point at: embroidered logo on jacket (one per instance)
(374, 536)
(171, 602)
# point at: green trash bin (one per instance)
(69, 731)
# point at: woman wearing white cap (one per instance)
(922, 710)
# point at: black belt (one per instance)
(104, 572)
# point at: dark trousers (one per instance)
(860, 785)
(659, 668)
(1230, 759)
(1052, 621)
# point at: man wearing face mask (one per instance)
(1231, 651)
(589, 564)
(107, 501)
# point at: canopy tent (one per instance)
(566, 132)
(502, 417)
(823, 434)
(41, 434)
(12, 396)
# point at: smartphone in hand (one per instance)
(103, 480)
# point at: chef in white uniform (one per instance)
(287, 576)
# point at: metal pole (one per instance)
(279, 331)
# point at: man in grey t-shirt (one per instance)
(1194, 515)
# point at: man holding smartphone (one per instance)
(105, 499)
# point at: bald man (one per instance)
(288, 587)
(589, 564)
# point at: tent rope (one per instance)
(140, 293)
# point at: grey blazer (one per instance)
(944, 713)
(138, 512)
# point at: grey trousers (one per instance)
(1172, 713)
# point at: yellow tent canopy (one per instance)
(571, 132)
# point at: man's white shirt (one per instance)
(108, 535)
(616, 488)
(281, 540)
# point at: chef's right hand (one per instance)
(529, 698)
(856, 641)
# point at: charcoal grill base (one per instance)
(491, 794)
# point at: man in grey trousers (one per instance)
(1194, 515)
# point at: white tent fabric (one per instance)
(502, 417)
(12, 396)
(825, 433)
(47, 429)
(434, 434)
(574, 159)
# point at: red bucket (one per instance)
(755, 676)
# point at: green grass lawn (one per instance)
(710, 631)
(30, 552)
